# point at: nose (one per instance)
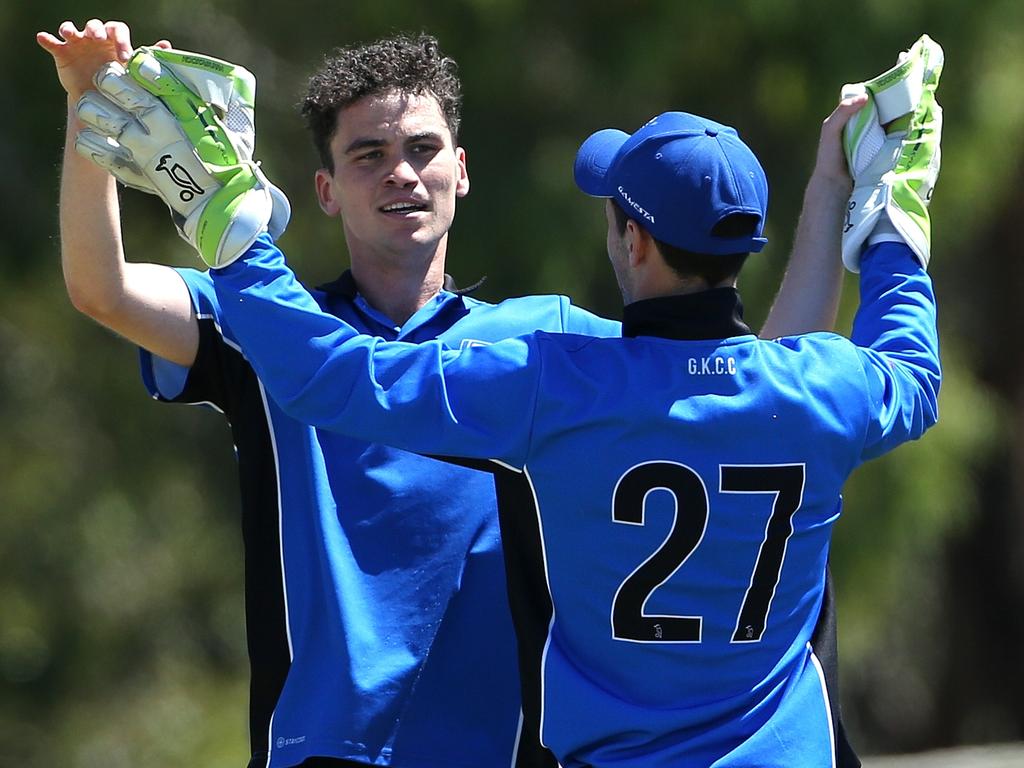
(402, 174)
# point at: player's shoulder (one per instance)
(533, 301)
(570, 346)
(544, 312)
(806, 348)
(520, 314)
(830, 359)
(809, 342)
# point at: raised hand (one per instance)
(181, 126)
(894, 154)
(79, 53)
(830, 162)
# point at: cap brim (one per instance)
(593, 160)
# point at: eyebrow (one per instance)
(361, 144)
(366, 143)
(432, 135)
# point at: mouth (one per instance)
(402, 208)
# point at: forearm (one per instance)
(808, 299)
(896, 317)
(92, 255)
(148, 304)
(896, 329)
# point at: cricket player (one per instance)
(377, 622)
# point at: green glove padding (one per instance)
(893, 151)
(180, 125)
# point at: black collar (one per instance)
(345, 285)
(712, 314)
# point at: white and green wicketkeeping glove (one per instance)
(181, 126)
(892, 150)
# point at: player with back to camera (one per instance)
(363, 620)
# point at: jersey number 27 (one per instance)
(629, 620)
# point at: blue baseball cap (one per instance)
(681, 177)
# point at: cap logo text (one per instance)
(636, 206)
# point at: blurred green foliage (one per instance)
(121, 637)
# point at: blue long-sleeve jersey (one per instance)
(377, 623)
(684, 482)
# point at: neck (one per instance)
(399, 287)
(670, 284)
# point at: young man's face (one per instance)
(396, 175)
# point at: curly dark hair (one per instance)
(404, 63)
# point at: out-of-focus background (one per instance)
(121, 623)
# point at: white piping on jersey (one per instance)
(207, 403)
(547, 582)
(270, 735)
(828, 706)
(277, 481)
(280, 519)
(519, 738)
(547, 642)
(223, 338)
(551, 597)
(234, 345)
(510, 468)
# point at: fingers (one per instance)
(118, 33)
(52, 44)
(48, 42)
(847, 108)
(68, 31)
(130, 114)
(122, 90)
(96, 29)
(103, 115)
(134, 119)
(831, 160)
(112, 157)
(849, 105)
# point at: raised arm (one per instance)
(894, 154)
(148, 304)
(808, 299)
(895, 323)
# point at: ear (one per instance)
(639, 242)
(462, 184)
(324, 182)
